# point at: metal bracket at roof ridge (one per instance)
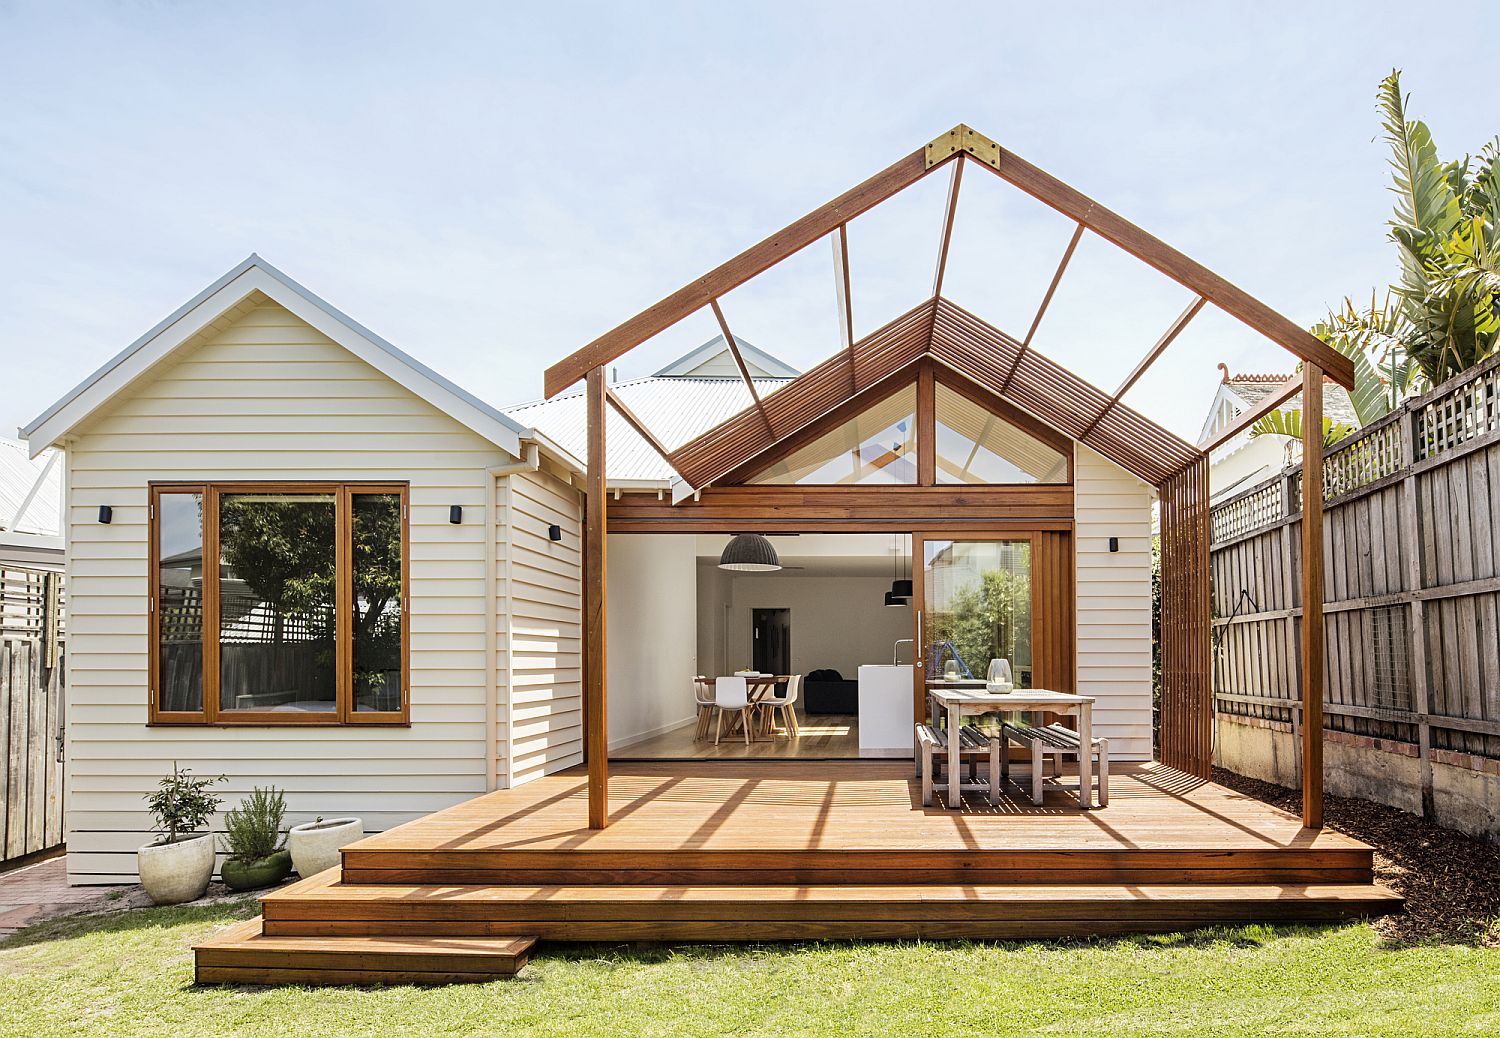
(966, 139)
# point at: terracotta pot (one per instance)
(247, 875)
(315, 846)
(176, 872)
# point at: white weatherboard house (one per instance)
(1243, 461)
(296, 556)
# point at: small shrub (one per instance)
(182, 805)
(252, 831)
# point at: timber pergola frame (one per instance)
(939, 333)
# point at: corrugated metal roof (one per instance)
(18, 474)
(675, 409)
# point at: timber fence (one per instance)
(1412, 557)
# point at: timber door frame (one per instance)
(1041, 603)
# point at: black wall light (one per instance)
(455, 514)
(554, 532)
(1114, 544)
(106, 514)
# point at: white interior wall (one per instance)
(837, 621)
(652, 613)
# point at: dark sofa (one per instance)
(828, 692)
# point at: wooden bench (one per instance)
(1057, 742)
(932, 743)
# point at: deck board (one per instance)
(684, 806)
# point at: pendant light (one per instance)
(894, 597)
(749, 553)
(900, 586)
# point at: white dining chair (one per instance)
(731, 694)
(703, 697)
(787, 704)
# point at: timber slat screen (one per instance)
(1186, 709)
(1412, 600)
(31, 713)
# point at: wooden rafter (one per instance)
(807, 397)
(1278, 396)
(961, 141)
(974, 351)
(842, 293)
(727, 276)
(633, 420)
(950, 211)
(1150, 358)
(1041, 310)
(1159, 255)
(739, 362)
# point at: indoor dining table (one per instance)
(758, 686)
(954, 703)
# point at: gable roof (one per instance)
(241, 287)
(959, 147)
(971, 349)
(1245, 391)
(936, 330)
(760, 363)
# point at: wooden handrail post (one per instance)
(595, 730)
(1312, 596)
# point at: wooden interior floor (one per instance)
(821, 737)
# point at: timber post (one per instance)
(595, 715)
(1312, 596)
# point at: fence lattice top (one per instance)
(1449, 417)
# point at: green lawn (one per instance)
(131, 974)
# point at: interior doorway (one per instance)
(771, 640)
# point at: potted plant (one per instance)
(315, 846)
(252, 836)
(177, 867)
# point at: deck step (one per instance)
(784, 912)
(244, 954)
(864, 867)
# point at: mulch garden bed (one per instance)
(1451, 881)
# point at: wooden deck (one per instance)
(766, 850)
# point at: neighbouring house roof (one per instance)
(714, 359)
(1243, 392)
(247, 283)
(675, 408)
(30, 490)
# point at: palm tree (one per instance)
(1443, 316)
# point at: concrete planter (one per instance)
(250, 875)
(176, 872)
(315, 846)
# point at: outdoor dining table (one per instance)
(954, 703)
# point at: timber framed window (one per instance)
(278, 603)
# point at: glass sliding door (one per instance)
(975, 605)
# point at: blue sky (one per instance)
(491, 187)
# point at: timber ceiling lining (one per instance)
(974, 350)
(805, 399)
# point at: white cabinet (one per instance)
(885, 717)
